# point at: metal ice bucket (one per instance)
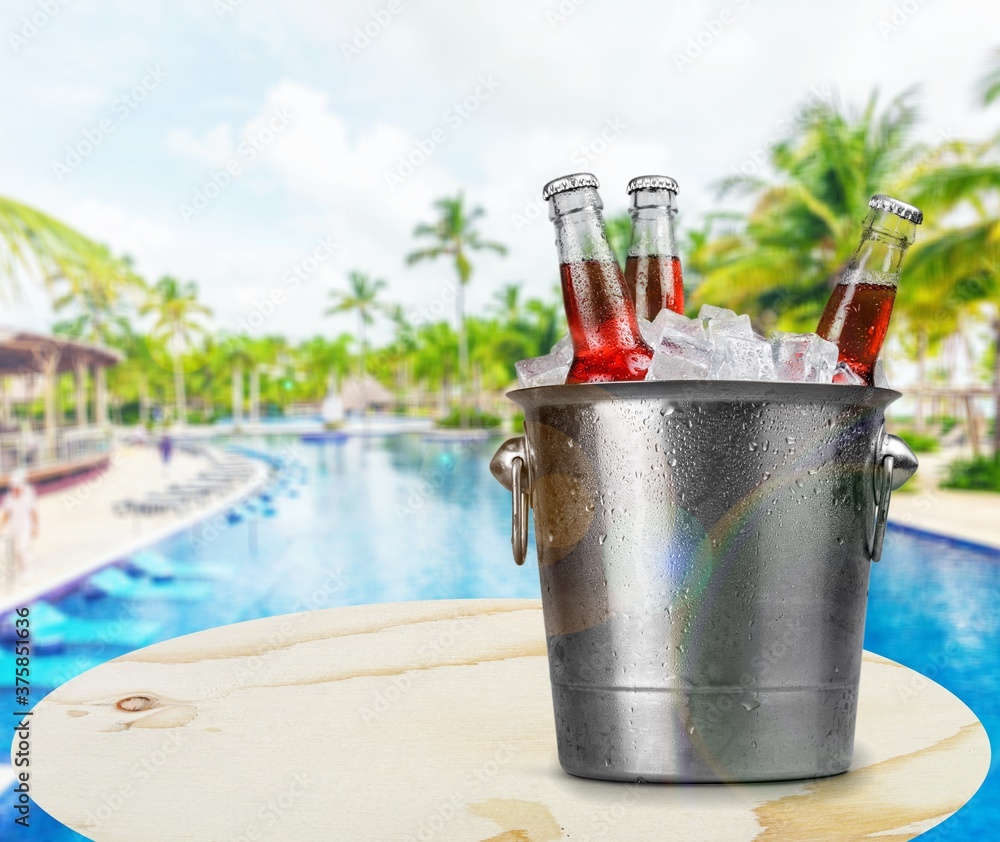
(703, 549)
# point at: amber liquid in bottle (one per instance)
(856, 319)
(655, 282)
(601, 318)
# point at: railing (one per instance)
(27, 449)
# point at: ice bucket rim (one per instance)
(726, 391)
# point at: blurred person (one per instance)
(19, 519)
(166, 450)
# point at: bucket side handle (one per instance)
(895, 463)
(510, 467)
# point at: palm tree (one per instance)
(321, 359)
(989, 84)
(177, 313)
(454, 235)
(507, 303)
(235, 354)
(782, 259)
(72, 265)
(100, 301)
(963, 264)
(362, 298)
(546, 323)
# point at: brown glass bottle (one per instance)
(856, 318)
(607, 343)
(653, 273)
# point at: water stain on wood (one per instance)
(169, 652)
(522, 821)
(830, 806)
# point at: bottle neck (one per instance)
(879, 256)
(579, 224)
(653, 213)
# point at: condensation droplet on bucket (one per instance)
(602, 539)
(750, 704)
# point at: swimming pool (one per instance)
(388, 518)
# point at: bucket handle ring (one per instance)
(510, 466)
(896, 464)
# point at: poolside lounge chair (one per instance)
(60, 630)
(114, 582)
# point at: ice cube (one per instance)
(844, 375)
(678, 355)
(880, 379)
(547, 370)
(738, 327)
(710, 311)
(803, 357)
(646, 329)
(652, 331)
(563, 349)
(736, 357)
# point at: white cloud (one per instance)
(123, 231)
(211, 149)
(560, 80)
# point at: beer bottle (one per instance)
(856, 317)
(653, 268)
(607, 344)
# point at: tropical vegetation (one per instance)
(776, 253)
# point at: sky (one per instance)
(265, 149)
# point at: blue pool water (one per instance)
(398, 518)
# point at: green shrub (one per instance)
(979, 474)
(518, 422)
(919, 442)
(474, 418)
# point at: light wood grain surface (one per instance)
(433, 721)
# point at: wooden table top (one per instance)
(433, 721)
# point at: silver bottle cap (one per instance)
(886, 203)
(652, 182)
(569, 182)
